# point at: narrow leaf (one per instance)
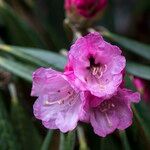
(110, 143)
(17, 68)
(138, 70)
(23, 124)
(53, 59)
(47, 140)
(36, 56)
(15, 51)
(19, 31)
(70, 140)
(124, 140)
(67, 142)
(8, 138)
(62, 141)
(130, 45)
(82, 140)
(138, 133)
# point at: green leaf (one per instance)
(53, 59)
(139, 133)
(8, 140)
(27, 133)
(62, 141)
(15, 51)
(142, 130)
(110, 143)
(19, 32)
(47, 140)
(138, 70)
(82, 140)
(124, 140)
(67, 142)
(70, 140)
(130, 45)
(36, 56)
(17, 68)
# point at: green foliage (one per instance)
(19, 32)
(23, 124)
(139, 70)
(8, 139)
(67, 142)
(47, 140)
(130, 45)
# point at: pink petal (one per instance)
(58, 104)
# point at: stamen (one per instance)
(60, 101)
(112, 105)
(106, 105)
(105, 68)
(47, 103)
(102, 87)
(95, 70)
(108, 120)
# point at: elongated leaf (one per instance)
(8, 138)
(124, 140)
(53, 59)
(62, 141)
(110, 143)
(67, 142)
(17, 68)
(19, 32)
(70, 140)
(139, 70)
(130, 45)
(23, 124)
(37, 56)
(18, 53)
(47, 140)
(139, 133)
(82, 140)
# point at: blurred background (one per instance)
(39, 24)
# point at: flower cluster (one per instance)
(90, 89)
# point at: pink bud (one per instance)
(143, 86)
(85, 8)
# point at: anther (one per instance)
(95, 70)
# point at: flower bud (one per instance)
(79, 11)
(143, 86)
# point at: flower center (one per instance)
(106, 105)
(96, 69)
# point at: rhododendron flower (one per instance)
(86, 8)
(110, 114)
(58, 104)
(97, 64)
(143, 86)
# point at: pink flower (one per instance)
(58, 104)
(143, 86)
(110, 114)
(85, 8)
(97, 64)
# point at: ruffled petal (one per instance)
(58, 104)
(97, 64)
(104, 123)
